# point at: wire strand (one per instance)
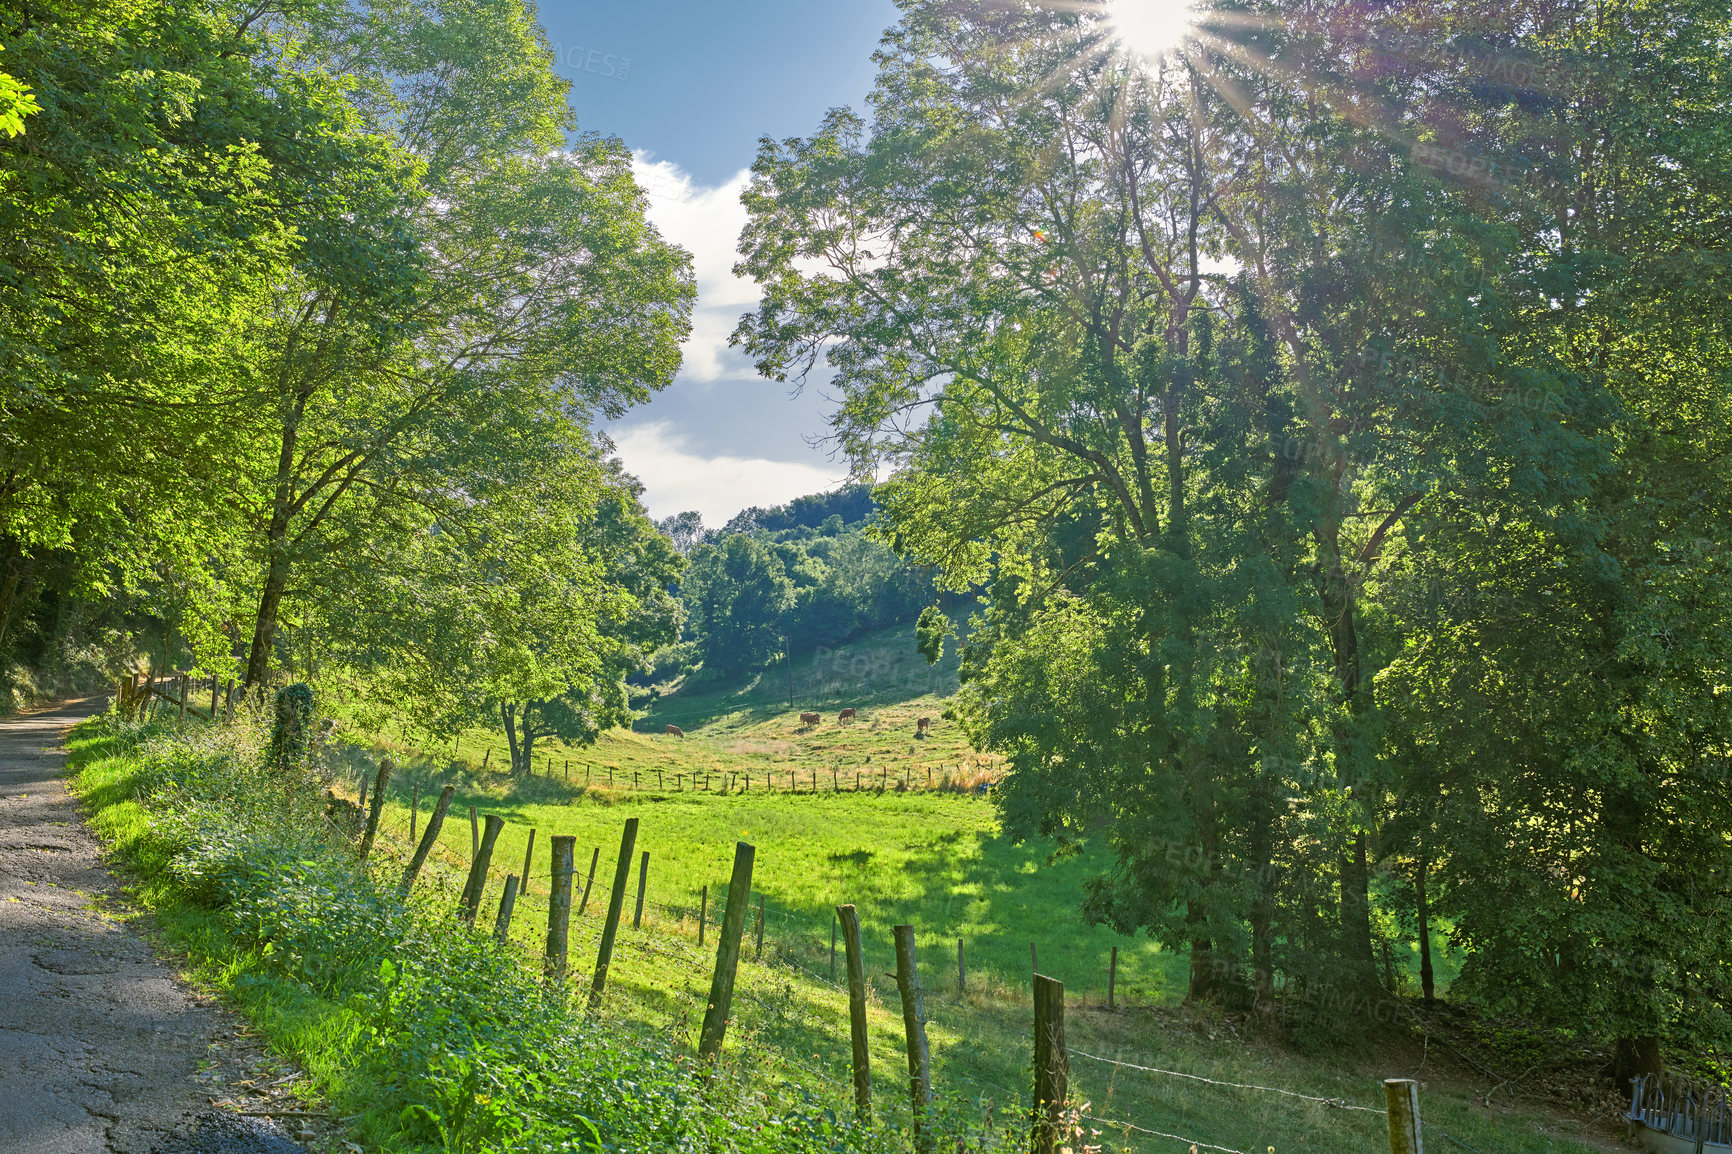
(1194, 1144)
(1335, 1103)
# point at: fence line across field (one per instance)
(1049, 1121)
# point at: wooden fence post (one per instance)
(758, 946)
(1112, 976)
(1051, 1065)
(470, 903)
(559, 909)
(507, 903)
(703, 913)
(642, 881)
(727, 953)
(593, 859)
(434, 822)
(914, 1026)
(1401, 1095)
(615, 903)
(378, 807)
(528, 860)
(857, 1011)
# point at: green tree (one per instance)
(533, 282)
(735, 593)
(172, 173)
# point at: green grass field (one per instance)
(933, 859)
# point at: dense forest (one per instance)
(1334, 421)
(1337, 413)
(785, 580)
(305, 361)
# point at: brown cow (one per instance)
(676, 731)
(846, 715)
(921, 726)
(810, 718)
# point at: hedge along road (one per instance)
(100, 1046)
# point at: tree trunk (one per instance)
(1635, 1058)
(1422, 912)
(1335, 591)
(526, 743)
(17, 572)
(1262, 910)
(508, 716)
(265, 626)
(1356, 912)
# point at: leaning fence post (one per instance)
(507, 903)
(528, 860)
(857, 1011)
(589, 881)
(914, 1026)
(615, 903)
(378, 807)
(434, 821)
(1401, 1096)
(642, 881)
(1051, 1065)
(727, 953)
(470, 902)
(559, 908)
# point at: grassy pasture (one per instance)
(935, 861)
(932, 859)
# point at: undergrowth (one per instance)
(426, 1033)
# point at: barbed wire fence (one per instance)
(783, 942)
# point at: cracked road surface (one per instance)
(100, 1045)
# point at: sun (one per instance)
(1151, 29)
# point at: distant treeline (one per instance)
(788, 578)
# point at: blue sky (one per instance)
(690, 87)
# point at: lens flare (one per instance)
(1151, 29)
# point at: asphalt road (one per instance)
(101, 1045)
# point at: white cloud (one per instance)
(676, 479)
(706, 221)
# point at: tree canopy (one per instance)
(1303, 401)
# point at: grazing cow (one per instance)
(810, 718)
(921, 726)
(676, 731)
(846, 715)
